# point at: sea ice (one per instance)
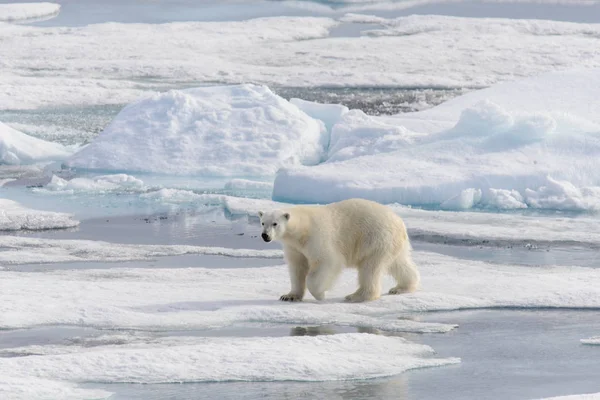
(23, 250)
(24, 11)
(207, 298)
(279, 51)
(538, 149)
(14, 217)
(18, 148)
(242, 130)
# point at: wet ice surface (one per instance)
(538, 352)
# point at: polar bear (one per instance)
(319, 241)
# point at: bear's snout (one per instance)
(265, 237)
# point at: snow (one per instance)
(27, 11)
(18, 148)
(241, 130)
(594, 340)
(14, 217)
(130, 59)
(23, 250)
(489, 149)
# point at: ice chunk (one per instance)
(23, 11)
(594, 340)
(242, 130)
(18, 148)
(509, 154)
(330, 114)
(14, 217)
(102, 183)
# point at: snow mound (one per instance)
(594, 340)
(18, 148)
(24, 11)
(178, 360)
(14, 217)
(242, 130)
(537, 149)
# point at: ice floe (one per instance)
(18, 148)
(14, 217)
(242, 130)
(205, 298)
(538, 149)
(280, 51)
(189, 359)
(24, 250)
(27, 11)
(32, 388)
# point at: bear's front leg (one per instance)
(322, 276)
(298, 268)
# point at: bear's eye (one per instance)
(274, 223)
(262, 223)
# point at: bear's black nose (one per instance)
(265, 237)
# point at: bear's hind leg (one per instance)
(405, 272)
(369, 281)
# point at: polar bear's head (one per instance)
(273, 224)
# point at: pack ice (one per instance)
(240, 130)
(533, 143)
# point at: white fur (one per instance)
(319, 241)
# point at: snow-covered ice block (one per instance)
(14, 217)
(24, 11)
(241, 130)
(18, 148)
(540, 150)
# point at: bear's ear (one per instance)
(260, 214)
(286, 216)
